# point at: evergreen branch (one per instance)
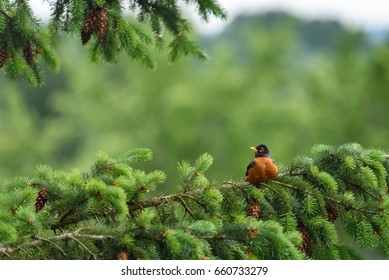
(287, 185)
(183, 203)
(158, 201)
(100, 20)
(291, 174)
(364, 190)
(152, 202)
(25, 251)
(218, 212)
(38, 240)
(41, 251)
(347, 206)
(270, 187)
(194, 199)
(6, 254)
(62, 219)
(52, 243)
(83, 246)
(348, 182)
(5, 14)
(221, 237)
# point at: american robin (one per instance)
(262, 168)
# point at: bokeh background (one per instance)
(273, 77)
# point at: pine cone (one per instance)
(29, 54)
(101, 21)
(3, 56)
(122, 255)
(305, 242)
(87, 30)
(254, 210)
(332, 213)
(96, 20)
(41, 199)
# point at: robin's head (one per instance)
(261, 151)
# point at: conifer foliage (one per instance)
(114, 211)
(103, 25)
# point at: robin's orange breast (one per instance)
(262, 170)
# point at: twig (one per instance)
(275, 191)
(291, 174)
(183, 203)
(221, 237)
(286, 185)
(40, 250)
(194, 199)
(152, 202)
(158, 201)
(52, 243)
(72, 210)
(6, 254)
(364, 190)
(84, 247)
(24, 250)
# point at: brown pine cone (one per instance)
(87, 30)
(41, 199)
(254, 210)
(101, 21)
(122, 255)
(3, 56)
(305, 242)
(29, 54)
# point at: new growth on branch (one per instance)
(114, 211)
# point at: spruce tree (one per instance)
(103, 26)
(115, 211)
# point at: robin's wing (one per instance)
(251, 165)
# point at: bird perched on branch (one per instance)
(262, 168)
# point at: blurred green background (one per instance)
(272, 78)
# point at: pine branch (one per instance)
(160, 201)
(5, 14)
(49, 241)
(347, 206)
(364, 189)
(62, 220)
(282, 218)
(103, 25)
(38, 240)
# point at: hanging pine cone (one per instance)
(305, 242)
(87, 30)
(41, 199)
(254, 210)
(29, 54)
(101, 20)
(332, 213)
(96, 20)
(3, 56)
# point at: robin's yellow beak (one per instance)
(254, 149)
